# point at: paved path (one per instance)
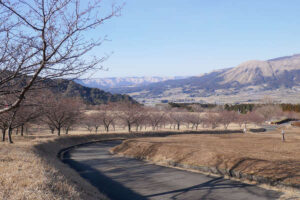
(124, 178)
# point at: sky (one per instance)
(191, 37)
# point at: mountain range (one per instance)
(251, 81)
(119, 82)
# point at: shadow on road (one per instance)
(104, 184)
(212, 185)
(139, 174)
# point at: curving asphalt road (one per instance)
(130, 179)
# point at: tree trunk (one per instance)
(3, 134)
(67, 131)
(22, 130)
(17, 131)
(9, 135)
(96, 130)
(129, 128)
(58, 131)
(178, 126)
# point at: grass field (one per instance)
(30, 169)
(258, 154)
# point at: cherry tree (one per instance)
(227, 117)
(43, 39)
(61, 112)
(194, 118)
(130, 114)
(155, 118)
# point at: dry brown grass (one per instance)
(259, 154)
(25, 174)
(30, 169)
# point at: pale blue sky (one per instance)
(174, 38)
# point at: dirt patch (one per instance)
(262, 157)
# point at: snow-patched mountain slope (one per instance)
(116, 82)
(251, 77)
(279, 76)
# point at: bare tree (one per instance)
(88, 122)
(141, 120)
(194, 118)
(51, 127)
(155, 117)
(93, 120)
(212, 119)
(176, 115)
(250, 117)
(269, 111)
(227, 117)
(18, 117)
(130, 113)
(107, 115)
(27, 114)
(61, 112)
(46, 39)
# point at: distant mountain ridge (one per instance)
(247, 82)
(118, 82)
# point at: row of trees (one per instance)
(139, 117)
(42, 40)
(59, 113)
(42, 108)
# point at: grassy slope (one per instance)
(263, 155)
